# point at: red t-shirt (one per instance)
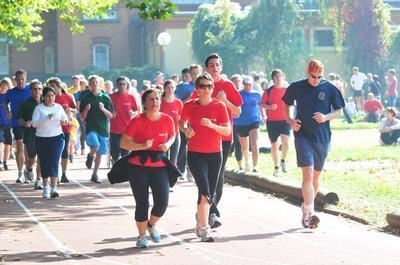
(142, 129)
(275, 97)
(173, 109)
(122, 103)
(373, 106)
(205, 140)
(66, 101)
(231, 94)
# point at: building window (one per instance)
(49, 60)
(4, 57)
(323, 38)
(111, 15)
(101, 58)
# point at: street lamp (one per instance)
(164, 39)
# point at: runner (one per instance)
(277, 126)
(5, 129)
(149, 135)
(125, 108)
(173, 107)
(224, 91)
(25, 119)
(15, 97)
(96, 109)
(47, 118)
(318, 101)
(204, 120)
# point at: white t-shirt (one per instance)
(46, 127)
(358, 80)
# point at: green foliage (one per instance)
(139, 73)
(214, 29)
(394, 52)
(264, 35)
(21, 21)
(364, 27)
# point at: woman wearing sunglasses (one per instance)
(204, 120)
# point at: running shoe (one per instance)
(247, 167)
(154, 234)
(5, 166)
(21, 178)
(38, 185)
(46, 192)
(64, 178)
(95, 179)
(254, 170)
(141, 242)
(214, 221)
(89, 160)
(313, 222)
(29, 175)
(276, 172)
(205, 235)
(284, 166)
(54, 195)
(305, 217)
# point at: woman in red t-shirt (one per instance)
(208, 120)
(149, 134)
(173, 107)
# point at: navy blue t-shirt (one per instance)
(4, 120)
(184, 90)
(15, 97)
(310, 100)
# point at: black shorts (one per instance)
(243, 131)
(30, 148)
(5, 134)
(357, 93)
(18, 133)
(276, 128)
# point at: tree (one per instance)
(21, 21)
(273, 36)
(214, 29)
(363, 25)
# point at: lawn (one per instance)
(366, 179)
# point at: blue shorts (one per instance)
(310, 153)
(96, 141)
(276, 128)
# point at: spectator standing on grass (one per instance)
(390, 127)
(317, 102)
(392, 92)
(357, 81)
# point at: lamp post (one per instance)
(164, 39)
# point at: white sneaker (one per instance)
(247, 167)
(21, 178)
(205, 235)
(284, 166)
(276, 172)
(46, 192)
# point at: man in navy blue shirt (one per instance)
(15, 97)
(317, 102)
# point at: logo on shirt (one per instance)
(163, 134)
(321, 96)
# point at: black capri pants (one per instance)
(205, 169)
(157, 179)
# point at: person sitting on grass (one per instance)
(390, 127)
(372, 108)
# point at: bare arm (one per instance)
(128, 143)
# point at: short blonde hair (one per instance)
(315, 66)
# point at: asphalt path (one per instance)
(94, 224)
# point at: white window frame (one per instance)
(107, 67)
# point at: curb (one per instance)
(325, 201)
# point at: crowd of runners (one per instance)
(170, 129)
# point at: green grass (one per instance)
(367, 180)
(340, 124)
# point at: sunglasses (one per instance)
(316, 76)
(204, 86)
